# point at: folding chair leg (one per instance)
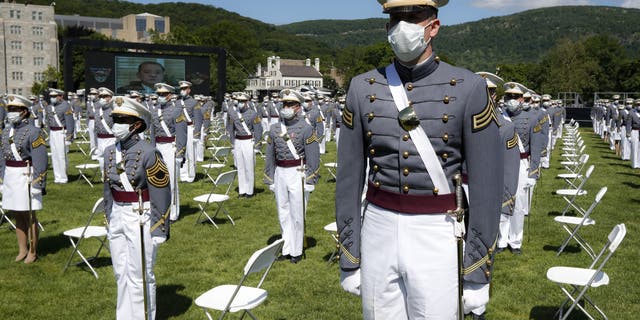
(220, 207)
(4, 217)
(203, 211)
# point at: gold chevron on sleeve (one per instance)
(486, 116)
(537, 128)
(38, 142)
(311, 139)
(347, 117)
(158, 174)
(513, 142)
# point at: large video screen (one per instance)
(123, 72)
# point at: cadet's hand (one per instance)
(530, 183)
(350, 281)
(179, 162)
(67, 143)
(309, 187)
(35, 191)
(272, 187)
(475, 295)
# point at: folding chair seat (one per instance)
(575, 166)
(570, 195)
(233, 298)
(574, 282)
(332, 228)
(220, 156)
(91, 168)
(573, 155)
(77, 235)
(573, 224)
(205, 200)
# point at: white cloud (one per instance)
(520, 5)
(630, 4)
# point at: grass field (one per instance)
(199, 257)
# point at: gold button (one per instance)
(437, 59)
(377, 184)
(371, 116)
(372, 152)
(405, 189)
(372, 98)
(369, 134)
(489, 263)
(436, 190)
(445, 156)
(409, 87)
(376, 168)
(405, 154)
(445, 137)
(405, 137)
(445, 118)
(487, 274)
(446, 100)
(410, 103)
(453, 82)
(405, 172)
(372, 80)
(490, 251)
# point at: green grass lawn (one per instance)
(199, 256)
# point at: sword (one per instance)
(458, 214)
(143, 255)
(32, 231)
(304, 210)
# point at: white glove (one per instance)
(67, 143)
(272, 187)
(476, 295)
(36, 191)
(530, 183)
(309, 187)
(350, 281)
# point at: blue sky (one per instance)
(457, 11)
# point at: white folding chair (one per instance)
(220, 154)
(579, 222)
(575, 166)
(88, 167)
(4, 218)
(205, 200)
(572, 178)
(574, 282)
(570, 195)
(88, 231)
(331, 167)
(233, 298)
(332, 228)
(572, 155)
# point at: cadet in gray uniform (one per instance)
(404, 250)
(137, 197)
(292, 160)
(168, 132)
(198, 133)
(336, 116)
(92, 98)
(24, 162)
(61, 128)
(103, 123)
(327, 109)
(633, 126)
(187, 103)
(312, 115)
(244, 129)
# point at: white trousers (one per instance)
(289, 193)
(245, 163)
(625, 144)
(328, 133)
(58, 156)
(635, 149)
(323, 142)
(126, 257)
(91, 131)
(188, 170)
(168, 152)
(512, 227)
(200, 146)
(15, 192)
(337, 139)
(264, 122)
(409, 266)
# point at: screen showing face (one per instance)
(123, 72)
(142, 73)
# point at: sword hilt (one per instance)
(458, 213)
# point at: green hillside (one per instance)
(522, 37)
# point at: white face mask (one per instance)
(14, 117)
(120, 131)
(183, 93)
(407, 40)
(162, 100)
(288, 113)
(526, 106)
(513, 105)
(242, 106)
(53, 100)
(103, 100)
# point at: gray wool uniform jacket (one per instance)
(459, 118)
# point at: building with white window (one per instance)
(28, 45)
(284, 73)
(130, 28)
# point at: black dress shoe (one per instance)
(478, 317)
(498, 250)
(283, 257)
(296, 259)
(248, 196)
(516, 251)
(242, 195)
